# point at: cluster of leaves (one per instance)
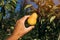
(7, 17)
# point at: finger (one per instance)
(29, 29)
(25, 17)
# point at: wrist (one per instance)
(14, 37)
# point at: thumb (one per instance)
(29, 28)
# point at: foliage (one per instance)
(7, 17)
(48, 22)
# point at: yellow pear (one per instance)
(34, 15)
(32, 19)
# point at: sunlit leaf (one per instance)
(12, 27)
(13, 4)
(9, 7)
(50, 14)
(52, 18)
(48, 27)
(42, 20)
(12, 7)
(14, 1)
(1, 2)
(54, 7)
(27, 6)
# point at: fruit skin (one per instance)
(34, 15)
(32, 19)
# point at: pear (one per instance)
(32, 19)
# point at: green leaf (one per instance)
(42, 20)
(52, 18)
(27, 6)
(0, 16)
(12, 27)
(1, 2)
(13, 4)
(14, 1)
(9, 7)
(48, 27)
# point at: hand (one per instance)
(20, 29)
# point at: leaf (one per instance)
(13, 4)
(48, 27)
(12, 7)
(0, 16)
(35, 1)
(42, 20)
(12, 27)
(1, 2)
(52, 18)
(14, 1)
(9, 7)
(54, 7)
(27, 6)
